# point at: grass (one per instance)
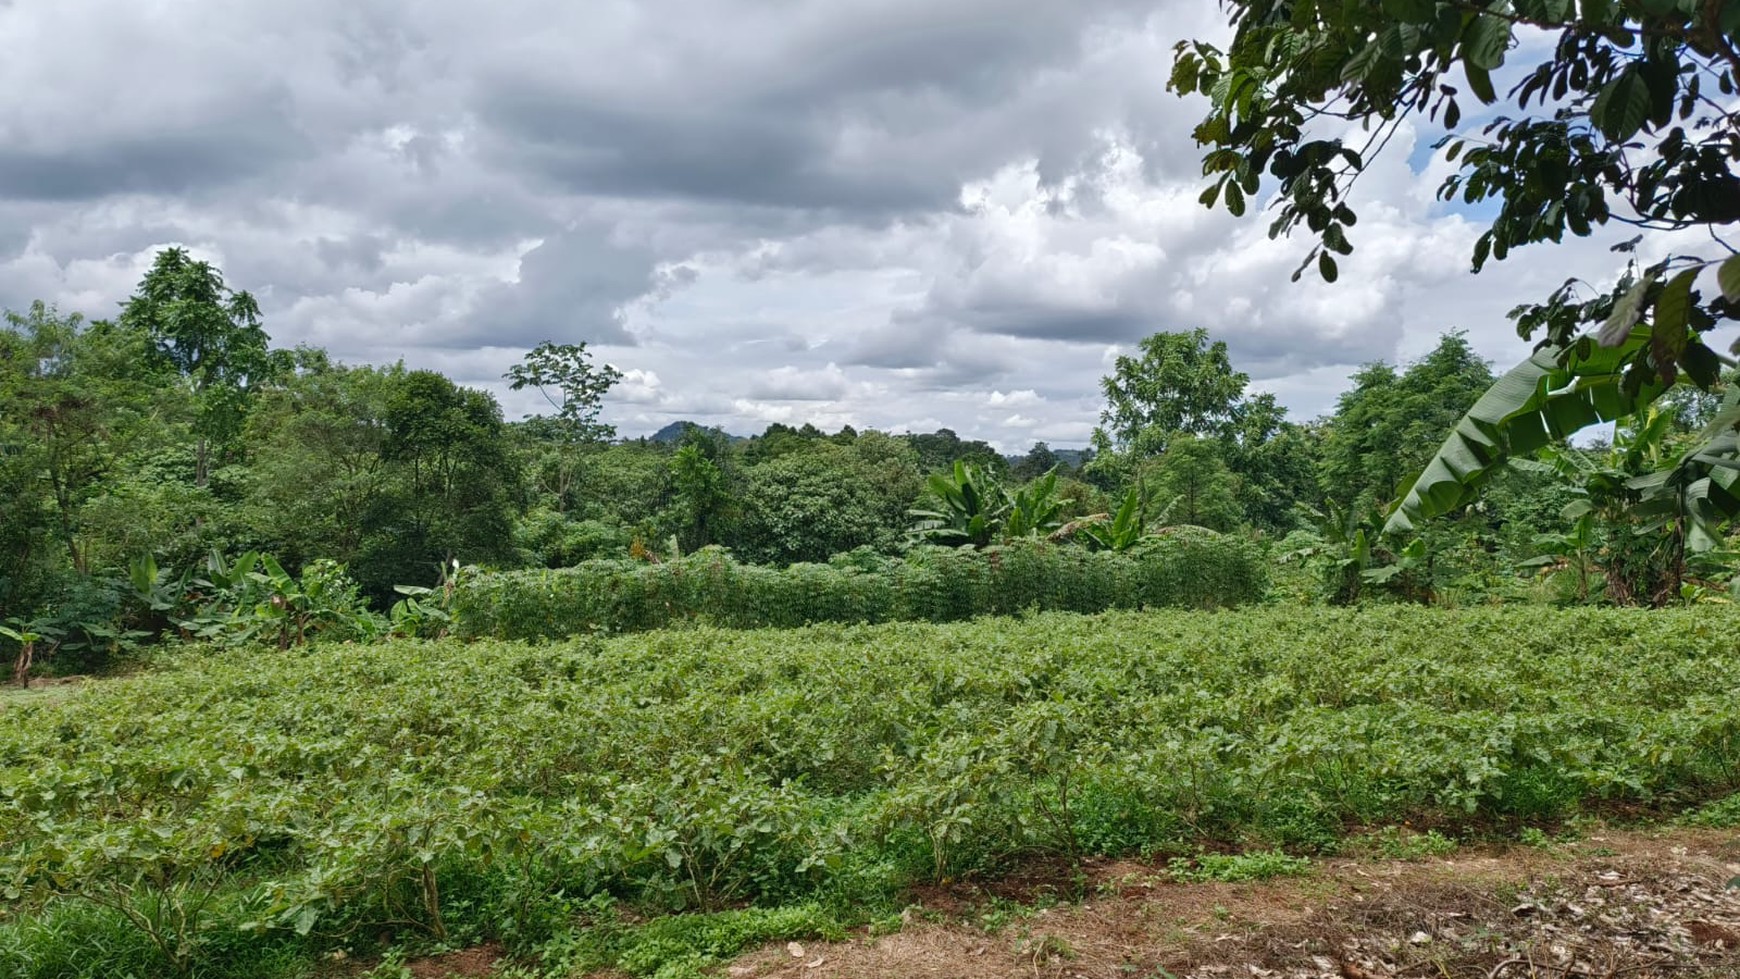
(13, 696)
(1230, 868)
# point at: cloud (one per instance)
(795, 384)
(882, 213)
(1015, 399)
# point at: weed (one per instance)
(1228, 868)
(1722, 814)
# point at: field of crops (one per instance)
(249, 814)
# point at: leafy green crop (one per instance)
(292, 803)
(934, 584)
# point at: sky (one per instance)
(893, 214)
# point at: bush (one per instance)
(931, 584)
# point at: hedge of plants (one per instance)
(929, 584)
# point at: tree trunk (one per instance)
(21, 668)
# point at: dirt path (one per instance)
(1614, 905)
(1634, 905)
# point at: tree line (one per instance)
(176, 432)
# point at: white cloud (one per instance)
(884, 213)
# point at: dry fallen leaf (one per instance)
(795, 950)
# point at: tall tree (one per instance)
(700, 488)
(810, 505)
(565, 375)
(938, 452)
(211, 335)
(1180, 384)
(452, 489)
(1389, 423)
(1038, 461)
(75, 400)
(1193, 481)
(320, 462)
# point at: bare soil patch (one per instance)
(1615, 905)
(468, 963)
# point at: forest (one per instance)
(145, 455)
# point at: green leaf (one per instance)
(1326, 267)
(1674, 306)
(1702, 364)
(1484, 43)
(1622, 105)
(1728, 276)
(1547, 397)
(1626, 312)
(1480, 83)
(1235, 199)
(1336, 240)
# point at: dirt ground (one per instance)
(1632, 905)
(1613, 905)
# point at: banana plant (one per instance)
(1119, 531)
(1340, 547)
(228, 576)
(418, 614)
(154, 587)
(1348, 550)
(26, 635)
(1035, 509)
(1573, 550)
(1641, 508)
(968, 508)
(1559, 391)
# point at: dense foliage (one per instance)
(177, 436)
(1628, 116)
(934, 584)
(236, 807)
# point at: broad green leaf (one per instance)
(1728, 275)
(1546, 398)
(1622, 105)
(1326, 267)
(1480, 82)
(1484, 43)
(1672, 309)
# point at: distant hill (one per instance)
(673, 433)
(1072, 458)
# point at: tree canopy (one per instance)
(1626, 115)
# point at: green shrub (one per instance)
(931, 584)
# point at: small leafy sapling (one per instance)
(565, 375)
